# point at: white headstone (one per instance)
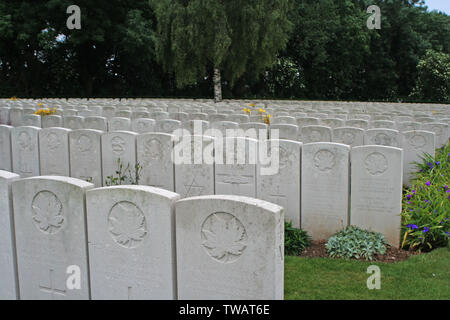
(357, 123)
(216, 117)
(5, 147)
(8, 264)
(86, 156)
(223, 126)
(32, 120)
(325, 188)
(50, 227)
(119, 124)
(167, 125)
(332, 122)
(118, 146)
(73, 122)
(441, 130)
(236, 175)
(132, 243)
(142, 125)
(386, 124)
(229, 247)
(415, 145)
(349, 135)
(195, 176)
(311, 134)
(307, 121)
(154, 155)
(96, 123)
(376, 199)
(409, 126)
(52, 121)
(383, 137)
(283, 188)
(54, 151)
(25, 151)
(285, 131)
(4, 115)
(16, 117)
(284, 120)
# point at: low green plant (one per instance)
(426, 205)
(124, 175)
(353, 242)
(295, 240)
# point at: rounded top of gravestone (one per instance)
(240, 199)
(77, 182)
(8, 175)
(154, 190)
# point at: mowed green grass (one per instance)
(426, 276)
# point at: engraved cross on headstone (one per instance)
(51, 289)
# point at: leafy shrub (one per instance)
(295, 240)
(433, 81)
(426, 206)
(125, 175)
(353, 242)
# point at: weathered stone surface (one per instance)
(25, 151)
(86, 155)
(5, 147)
(132, 243)
(54, 151)
(376, 199)
(325, 188)
(50, 228)
(229, 247)
(8, 264)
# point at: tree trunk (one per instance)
(217, 85)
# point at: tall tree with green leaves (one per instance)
(433, 83)
(224, 37)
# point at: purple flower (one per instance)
(426, 229)
(438, 163)
(448, 191)
(409, 196)
(446, 187)
(414, 191)
(409, 202)
(412, 226)
(428, 183)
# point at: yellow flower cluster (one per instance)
(45, 112)
(265, 116)
(13, 98)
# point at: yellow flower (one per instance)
(44, 112)
(251, 104)
(13, 98)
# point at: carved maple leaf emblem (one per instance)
(324, 160)
(225, 238)
(47, 212)
(127, 224)
(376, 163)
